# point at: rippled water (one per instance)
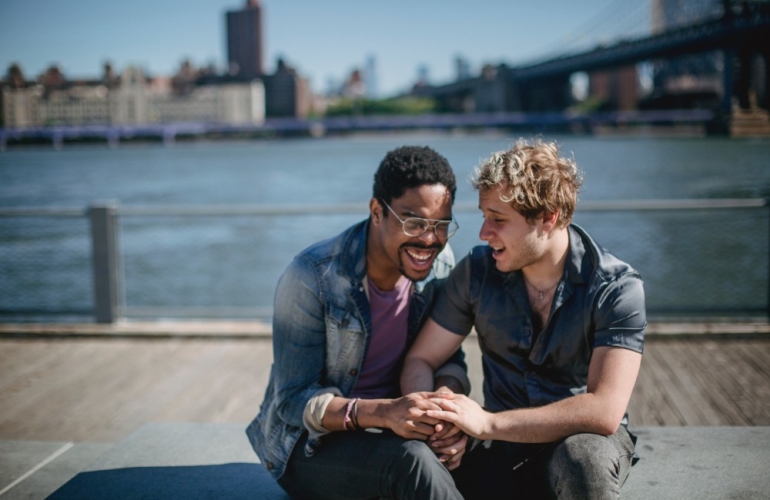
(705, 260)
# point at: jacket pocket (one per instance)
(344, 344)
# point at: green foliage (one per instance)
(393, 106)
(590, 105)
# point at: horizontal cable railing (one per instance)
(106, 260)
(357, 208)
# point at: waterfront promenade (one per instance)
(94, 389)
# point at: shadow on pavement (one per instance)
(233, 481)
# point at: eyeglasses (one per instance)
(416, 226)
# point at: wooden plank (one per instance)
(229, 389)
(708, 371)
(102, 389)
(738, 382)
(753, 384)
(676, 395)
(656, 386)
(757, 354)
(20, 364)
(643, 408)
(689, 391)
(53, 396)
(703, 378)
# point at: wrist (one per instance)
(373, 413)
(449, 383)
(491, 427)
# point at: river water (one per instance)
(707, 261)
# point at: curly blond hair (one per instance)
(535, 179)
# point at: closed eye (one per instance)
(496, 220)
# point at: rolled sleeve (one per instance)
(620, 315)
(315, 410)
(456, 371)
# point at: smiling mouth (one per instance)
(421, 257)
(497, 251)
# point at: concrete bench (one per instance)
(203, 461)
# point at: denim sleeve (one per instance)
(299, 340)
(620, 316)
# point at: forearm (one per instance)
(584, 413)
(417, 376)
(370, 413)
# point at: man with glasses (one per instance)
(334, 423)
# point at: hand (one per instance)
(406, 416)
(444, 429)
(450, 450)
(463, 412)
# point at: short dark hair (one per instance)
(409, 167)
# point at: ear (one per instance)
(550, 221)
(375, 211)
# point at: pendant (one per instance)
(541, 295)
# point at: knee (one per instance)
(414, 457)
(584, 466)
(415, 468)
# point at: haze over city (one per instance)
(324, 41)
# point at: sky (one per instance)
(324, 40)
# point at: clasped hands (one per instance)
(439, 418)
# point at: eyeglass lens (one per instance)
(416, 227)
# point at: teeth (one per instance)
(419, 256)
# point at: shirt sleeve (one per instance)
(454, 308)
(620, 316)
(299, 340)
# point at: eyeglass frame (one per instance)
(431, 224)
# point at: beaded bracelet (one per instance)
(355, 415)
(347, 413)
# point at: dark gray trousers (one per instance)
(363, 465)
(583, 466)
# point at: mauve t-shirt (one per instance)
(379, 376)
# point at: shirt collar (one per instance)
(573, 267)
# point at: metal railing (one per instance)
(688, 229)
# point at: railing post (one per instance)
(105, 262)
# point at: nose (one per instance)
(484, 232)
(429, 237)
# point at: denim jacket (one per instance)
(321, 331)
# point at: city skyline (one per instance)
(323, 42)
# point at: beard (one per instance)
(414, 274)
(515, 259)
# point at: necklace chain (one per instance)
(540, 293)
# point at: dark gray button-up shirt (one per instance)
(599, 302)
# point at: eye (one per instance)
(496, 220)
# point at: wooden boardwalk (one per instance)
(91, 389)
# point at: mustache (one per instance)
(435, 246)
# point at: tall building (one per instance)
(462, 68)
(371, 87)
(286, 93)
(244, 41)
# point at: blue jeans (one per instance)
(363, 465)
(581, 466)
